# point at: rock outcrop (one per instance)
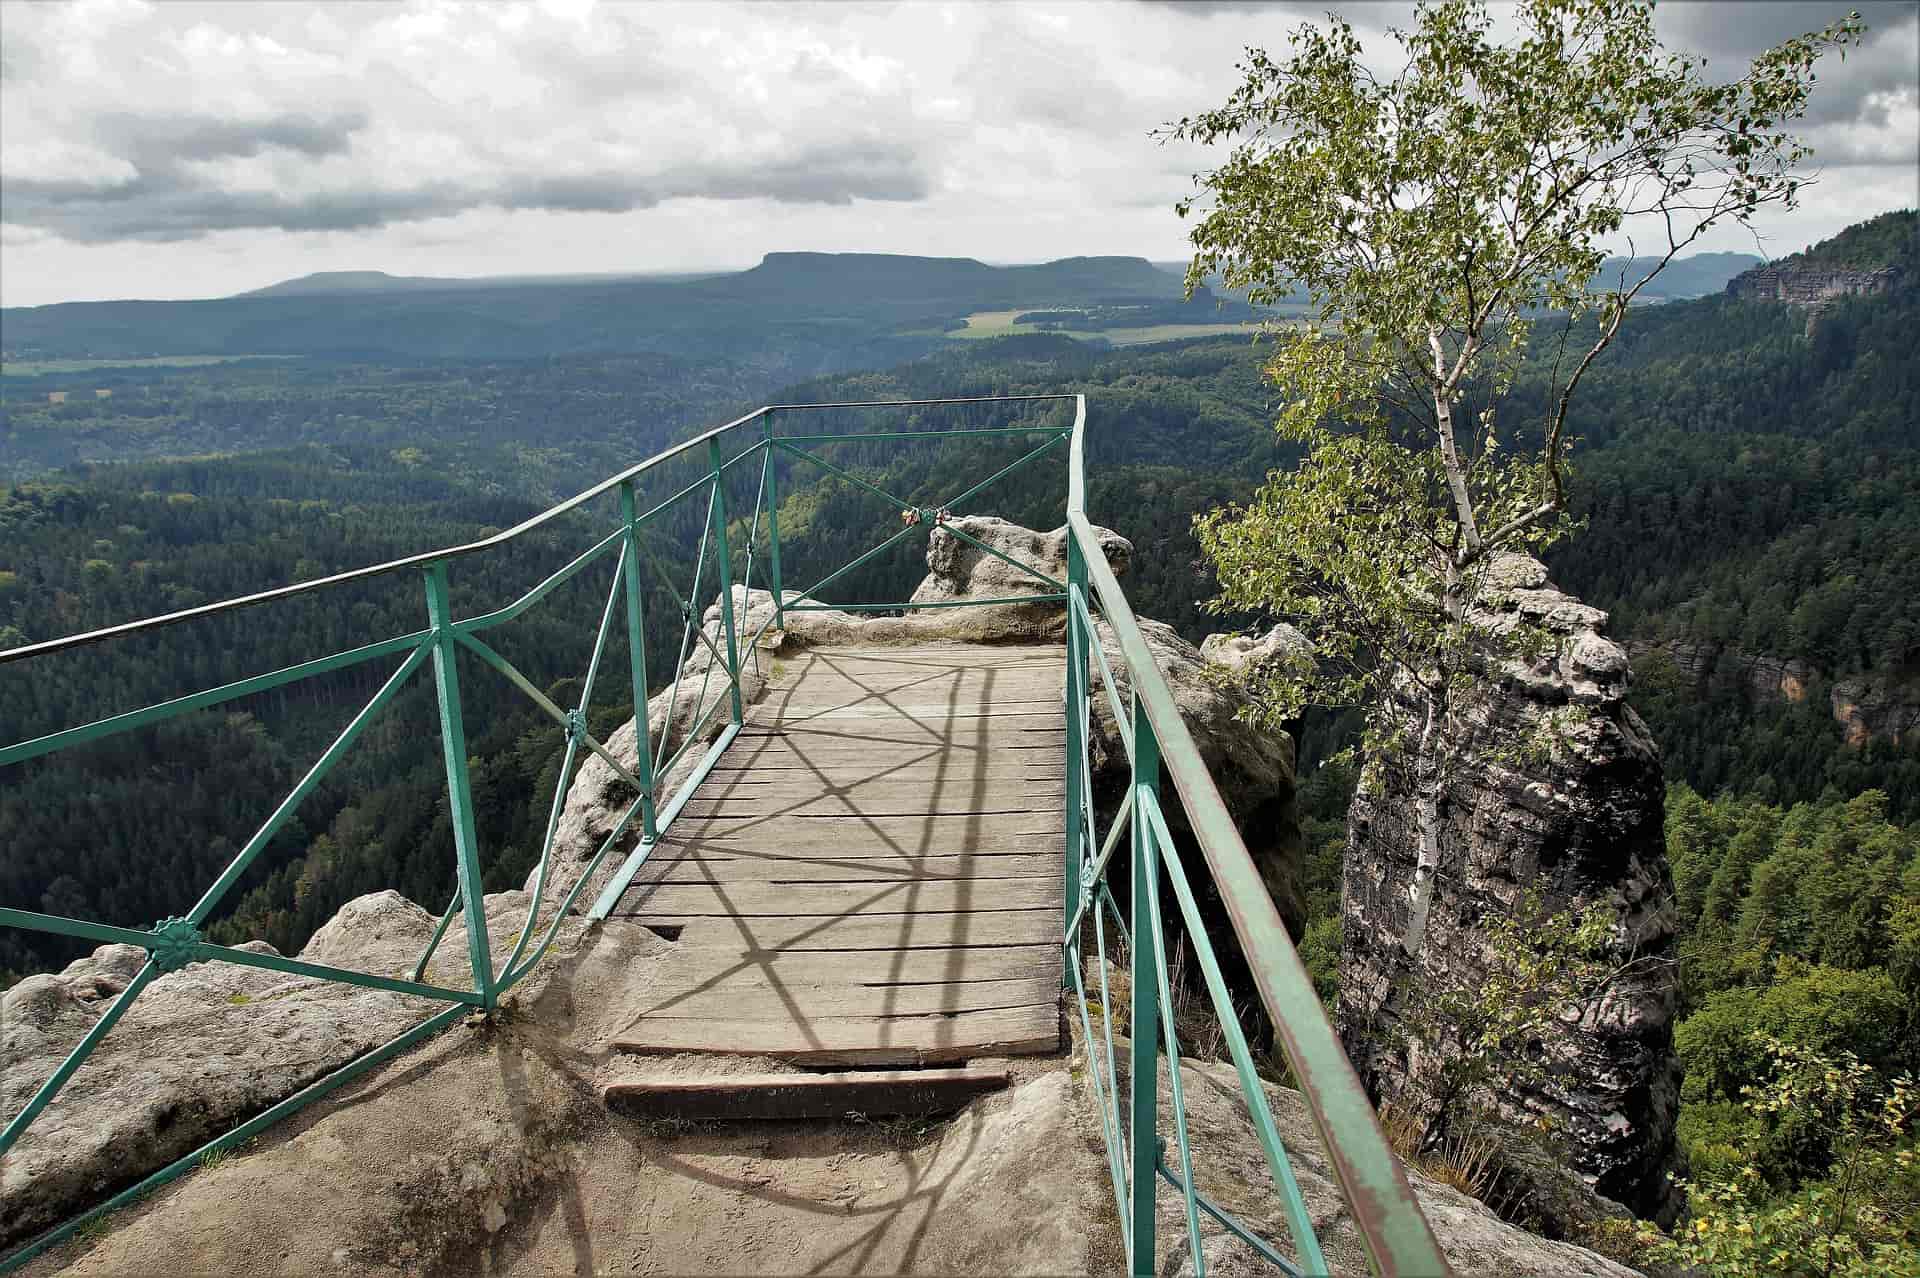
(201, 1049)
(1883, 706)
(1240, 655)
(1559, 794)
(958, 570)
(1252, 768)
(487, 1150)
(1810, 286)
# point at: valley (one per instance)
(1749, 489)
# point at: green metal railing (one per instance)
(1157, 744)
(1156, 739)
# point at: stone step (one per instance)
(794, 1095)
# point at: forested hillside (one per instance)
(133, 828)
(1800, 944)
(1753, 492)
(562, 422)
(1749, 491)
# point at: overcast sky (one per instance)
(193, 150)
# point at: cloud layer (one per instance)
(161, 149)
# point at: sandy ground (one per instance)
(488, 1151)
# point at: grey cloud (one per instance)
(823, 176)
(608, 72)
(1731, 33)
(163, 141)
(19, 60)
(1739, 30)
(1365, 13)
(167, 208)
(171, 205)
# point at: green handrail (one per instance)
(1152, 734)
(1395, 1234)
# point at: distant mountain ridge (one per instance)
(324, 283)
(348, 282)
(813, 312)
(1090, 279)
(820, 310)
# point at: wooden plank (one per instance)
(936, 653)
(721, 966)
(872, 875)
(883, 791)
(857, 1040)
(833, 752)
(826, 673)
(885, 725)
(696, 867)
(888, 726)
(915, 685)
(781, 766)
(775, 900)
(877, 933)
(887, 835)
(859, 741)
(792, 1096)
(803, 1003)
(792, 806)
(1024, 713)
(820, 678)
(838, 849)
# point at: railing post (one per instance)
(719, 508)
(1076, 711)
(453, 746)
(637, 644)
(1144, 1070)
(773, 527)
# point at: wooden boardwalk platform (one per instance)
(872, 873)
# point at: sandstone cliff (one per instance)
(1811, 286)
(1883, 706)
(1560, 794)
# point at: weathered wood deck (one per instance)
(872, 873)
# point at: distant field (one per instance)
(35, 367)
(1172, 332)
(983, 324)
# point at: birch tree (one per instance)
(1448, 226)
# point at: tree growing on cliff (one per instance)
(1448, 225)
